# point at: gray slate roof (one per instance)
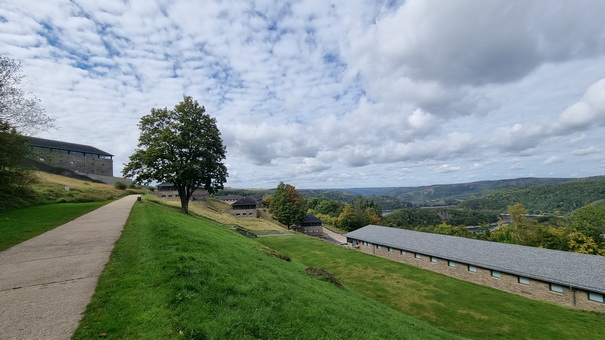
(565, 268)
(245, 202)
(55, 144)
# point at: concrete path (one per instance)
(47, 281)
(334, 237)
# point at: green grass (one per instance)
(173, 276)
(453, 305)
(19, 225)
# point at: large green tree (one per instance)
(182, 146)
(288, 207)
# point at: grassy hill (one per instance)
(49, 188)
(173, 276)
(178, 276)
(551, 198)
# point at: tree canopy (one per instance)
(287, 205)
(182, 146)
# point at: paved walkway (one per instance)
(47, 281)
(334, 237)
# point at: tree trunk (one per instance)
(184, 200)
(184, 204)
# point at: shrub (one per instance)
(120, 185)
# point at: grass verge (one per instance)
(450, 304)
(173, 276)
(19, 225)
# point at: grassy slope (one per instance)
(19, 225)
(214, 210)
(456, 306)
(177, 276)
(52, 189)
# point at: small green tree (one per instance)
(288, 206)
(182, 146)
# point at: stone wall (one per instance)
(198, 195)
(84, 165)
(243, 213)
(311, 230)
(531, 288)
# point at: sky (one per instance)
(330, 94)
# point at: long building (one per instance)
(80, 158)
(560, 277)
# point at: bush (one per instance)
(120, 185)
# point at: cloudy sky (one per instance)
(330, 94)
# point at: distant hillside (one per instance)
(386, 202)
(549, 198)
(462, 191)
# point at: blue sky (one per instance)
(330, 94)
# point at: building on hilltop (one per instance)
(83, 159)
(169, 191)
(560, 277)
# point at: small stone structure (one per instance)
(311, 226)
(565, 278)
(244, 207)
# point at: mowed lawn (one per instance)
(457, 306)
(19, 225)
(173, 276)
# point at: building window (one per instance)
(596, 297)
(416, 255)
(433, 259)
(472, 268)
(523, 280)
(496, 274)
(451, 264)
(556, 288)
(365, 243)
(403, 252)
(378, 246)
(390, 249)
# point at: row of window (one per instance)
(597, 297)
(72, 153)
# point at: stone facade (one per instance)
(168, 191)
(75, 162)
(530, 288)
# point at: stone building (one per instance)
(79, 158)
(311, 226)
(244, 207)
(565, 278)
(169, 191)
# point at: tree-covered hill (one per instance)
(463, 191)
(560, 198)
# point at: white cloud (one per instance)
(585, 151)
(321, 92)
(444, 169)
